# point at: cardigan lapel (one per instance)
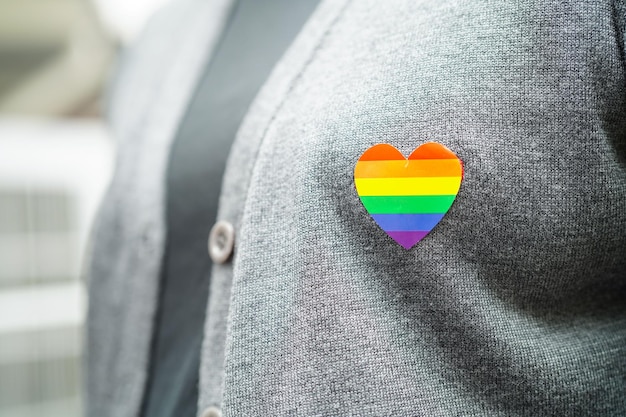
(129, 235)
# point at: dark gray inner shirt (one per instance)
(256, 35)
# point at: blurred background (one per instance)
(55, 160)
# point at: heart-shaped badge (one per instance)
(408, 197)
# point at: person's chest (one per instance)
(506, 295)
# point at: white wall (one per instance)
(52, 175)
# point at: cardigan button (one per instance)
(211, 412)
(221, 241)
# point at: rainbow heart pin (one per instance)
(408, 197)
